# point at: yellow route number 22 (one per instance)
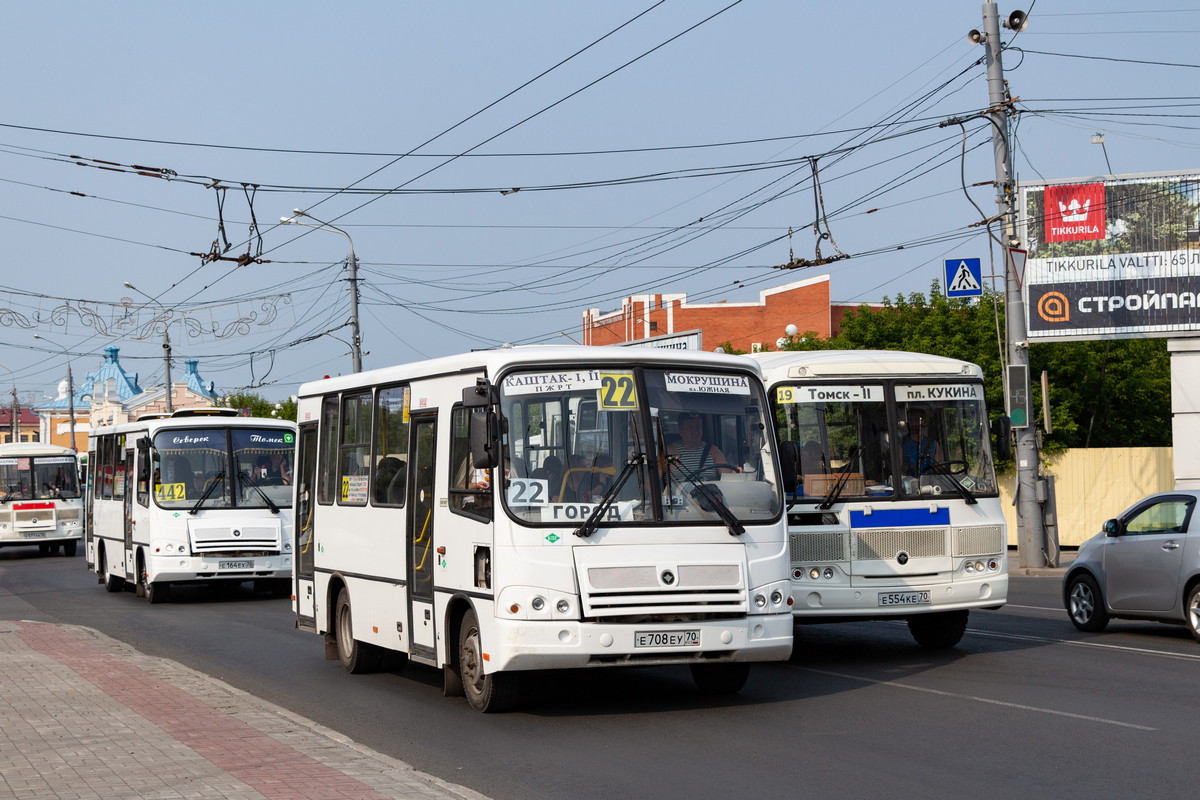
(617, 392)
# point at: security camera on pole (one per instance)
(1032, 548)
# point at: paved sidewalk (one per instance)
(85, 716)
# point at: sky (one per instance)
(683, 146)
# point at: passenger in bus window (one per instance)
(920, 450)
(698, 456)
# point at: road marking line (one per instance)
(1076, 643)
(1018, 706)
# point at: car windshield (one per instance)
(849, 446)
(648, 439)
(39, 478)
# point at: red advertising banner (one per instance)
(1075, 212)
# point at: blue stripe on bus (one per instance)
(899, 518)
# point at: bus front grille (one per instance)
(688, 591)
(263, 539)
(980, 540)
(805, 548)
(884, 543)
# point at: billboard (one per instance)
(1118, 258)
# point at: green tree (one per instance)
(258, 405)
(1111, 393)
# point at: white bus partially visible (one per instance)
(897, 514)
(203, 495)
(40, 501)
(521, 509)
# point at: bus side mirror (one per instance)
(1002, 427)
(789, 457)
(481, 395)
(483, 440)
(143, 444)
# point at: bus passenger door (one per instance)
(419, 533)
(125, 478)
(303, 548)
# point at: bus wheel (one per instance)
(356, 657)
(112, 583)
(940, 630)
(69, 548)
(156, 591)
(720, 678)
(44, 548)
(486, 692)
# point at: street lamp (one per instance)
(352, 268)
(166, 344)
(1098, 138)
(70, 388)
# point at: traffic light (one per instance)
(1018, 395)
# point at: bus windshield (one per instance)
(222, 468)
(38, 478)
(850, 447)
(660, 444)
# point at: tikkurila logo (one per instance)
(1075, 213)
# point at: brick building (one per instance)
(705, 326)
(27, 426)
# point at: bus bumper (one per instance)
(526, 645)
(816, 602)
(174, 569)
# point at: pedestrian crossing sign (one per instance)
(964, 277)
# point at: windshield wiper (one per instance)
(709, 494)
(943, 470)
(835, 491)
(54, 489)
(254, 485)
(216, 480)
(592, 523)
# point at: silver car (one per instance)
(1145, 564)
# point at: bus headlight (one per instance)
(760, 601)
(814, 573)
(563, 606)
(776, 597)
(538, 603)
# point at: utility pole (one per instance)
(1031, 542)
(167, 367)
(16, 416)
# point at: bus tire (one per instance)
(112, 583)
(156, 591)
(486, 692)
(69, 548)
(940, 630)
(720, 678)
(357, 657)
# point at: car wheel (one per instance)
(1193, 611)
(1085, 604)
